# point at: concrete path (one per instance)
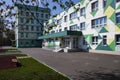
(74, 64)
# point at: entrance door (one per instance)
(66, 42)
(75, 42)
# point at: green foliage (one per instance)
(30, 70)
(54, 8)
(55, 0)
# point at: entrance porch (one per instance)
(63, 41)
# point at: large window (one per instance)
(82, 26)
(104, 3)
(100, 22)
(82, 11)
(94, 6)
(94, 40)
(74, 27)
(104, 40)
(73, 15)
(117, 18)
(117, 38)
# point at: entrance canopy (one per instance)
(61, 34)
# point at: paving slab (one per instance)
(75, 64)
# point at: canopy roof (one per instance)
(61, 34)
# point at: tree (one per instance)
(7, 10)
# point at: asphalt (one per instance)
(79, 65)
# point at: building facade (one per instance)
(89, 25)
(29, 25)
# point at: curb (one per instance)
(51, 68)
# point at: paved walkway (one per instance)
(73, 64)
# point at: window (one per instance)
(32, 21)
(74, 27)
(37, 14)
(65, 28)
(27, 13)
(117, 18)
(94, 6)
(60, 30)
(94, 40)
(38, 34)
(27, 28)
(32, 42)
(21, 43)
(104, 40)
(52, 31)
(82, 26)
(27, 43)
(32, 28)
(22, 35)
(104, 3)
(32, 13)
(21, 13)
(59, 21)
(84, 41)
(117, 0)
(42, 15)
(37, 28)
(21, 20)
(73, 15)
(65, 19)
(46, 16)
(26, 35)
(37, 21)
(100, 22)
(82, 11)
(117, 38)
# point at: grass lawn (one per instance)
(9, 50)
(12, 50)
(17, 55)
(30, 70)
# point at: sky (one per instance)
(58, 10)
(51, 4)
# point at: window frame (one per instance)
(117, 42)
(74, 27)
(104, 39)
(65, 18)
(94, 6)
(82, 11)
(81, 26)
(99, 22)
(117, 20)
(94, 40)
(73, 15)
